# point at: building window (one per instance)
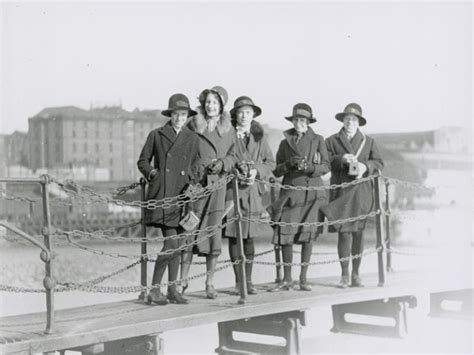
(74, 148)
(111, 147)
(85, 148)
(97, 148)
(73, 134)
(85, 132)
(111, 162)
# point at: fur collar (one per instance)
(256, 129)
(198, 123)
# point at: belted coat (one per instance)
(173, 157)
(300, 205)
(355, 200)
(257, 152)
(218, 144)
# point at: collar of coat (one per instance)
(291, 134)
(353, 145)
(168, 131)
(198, 123)
(256, 130)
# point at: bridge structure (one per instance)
(132, 327)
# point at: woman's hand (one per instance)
(216, 166)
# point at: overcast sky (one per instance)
(408, 64)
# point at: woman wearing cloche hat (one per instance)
(301, 159)
(216, 160)
(353, 155)
(254, 160)
(173, 149)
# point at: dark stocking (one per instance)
(344, 242)
(287, 251)
(357, 248)
(306, 249)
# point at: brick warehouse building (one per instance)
(106, 137)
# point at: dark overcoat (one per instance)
(300, 205)
(173, 156)
(357, 199)
(250, 196)
(218, 144)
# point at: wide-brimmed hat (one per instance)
(217, 90)
(245, 101)
(178, 102)
(352, 109)
(302, 110)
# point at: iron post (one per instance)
(379, 230)
(240, 244)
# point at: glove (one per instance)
(292, 163)
(152, 174)
(346, 158)
(216, 166)
(243, 168)
(252, 176)
(362, 170)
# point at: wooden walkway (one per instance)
(118, 320)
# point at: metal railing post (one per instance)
(387, 227)
(144, 259)
(276, 247)
(49, 283)
(379, 230)
(240, 244)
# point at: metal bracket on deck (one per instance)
(285, 325)
(461, 298)
(391, 309)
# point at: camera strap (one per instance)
(361, 145)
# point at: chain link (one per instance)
(213, 230)
(313, 224)
(316, 188)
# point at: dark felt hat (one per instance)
(245, 101)
(302, 110)
(178, 102)
(352, 109)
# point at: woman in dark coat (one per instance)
(216, 160)
(254, 160)
(301, 159)
(353, 155)
(173, 149)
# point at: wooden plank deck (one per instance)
(118, 320)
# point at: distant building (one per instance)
(17, 148)
(107, 137)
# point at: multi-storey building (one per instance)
(107, 137)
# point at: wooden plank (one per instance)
(118, 320)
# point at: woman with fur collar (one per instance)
(302, 159)
(254, 160)
(216, 158)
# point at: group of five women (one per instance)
(196, 148)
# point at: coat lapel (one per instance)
(290, 136)
(345, 142)
(357, 141)
(168, 132)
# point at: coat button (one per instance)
(167, 170)
(182, 172)
(169, 154)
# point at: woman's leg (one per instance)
(211, 263)
(306, 250)
(249, 251)
(344, 242)
(234, 256)
(186, 261)
(287, 251)
(357, 248)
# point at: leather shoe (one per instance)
(284, 286)
(175, 297)
(344, 282)
(251, 289)
(184, 287)
(155, 296)
(211, 292)
(305, 286)
(356, 281)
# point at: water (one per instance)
(440, 237)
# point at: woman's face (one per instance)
(178, 118)
(300, 124)
(351, 123)
(244, 116)
(212, 105)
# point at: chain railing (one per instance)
(88, 195)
